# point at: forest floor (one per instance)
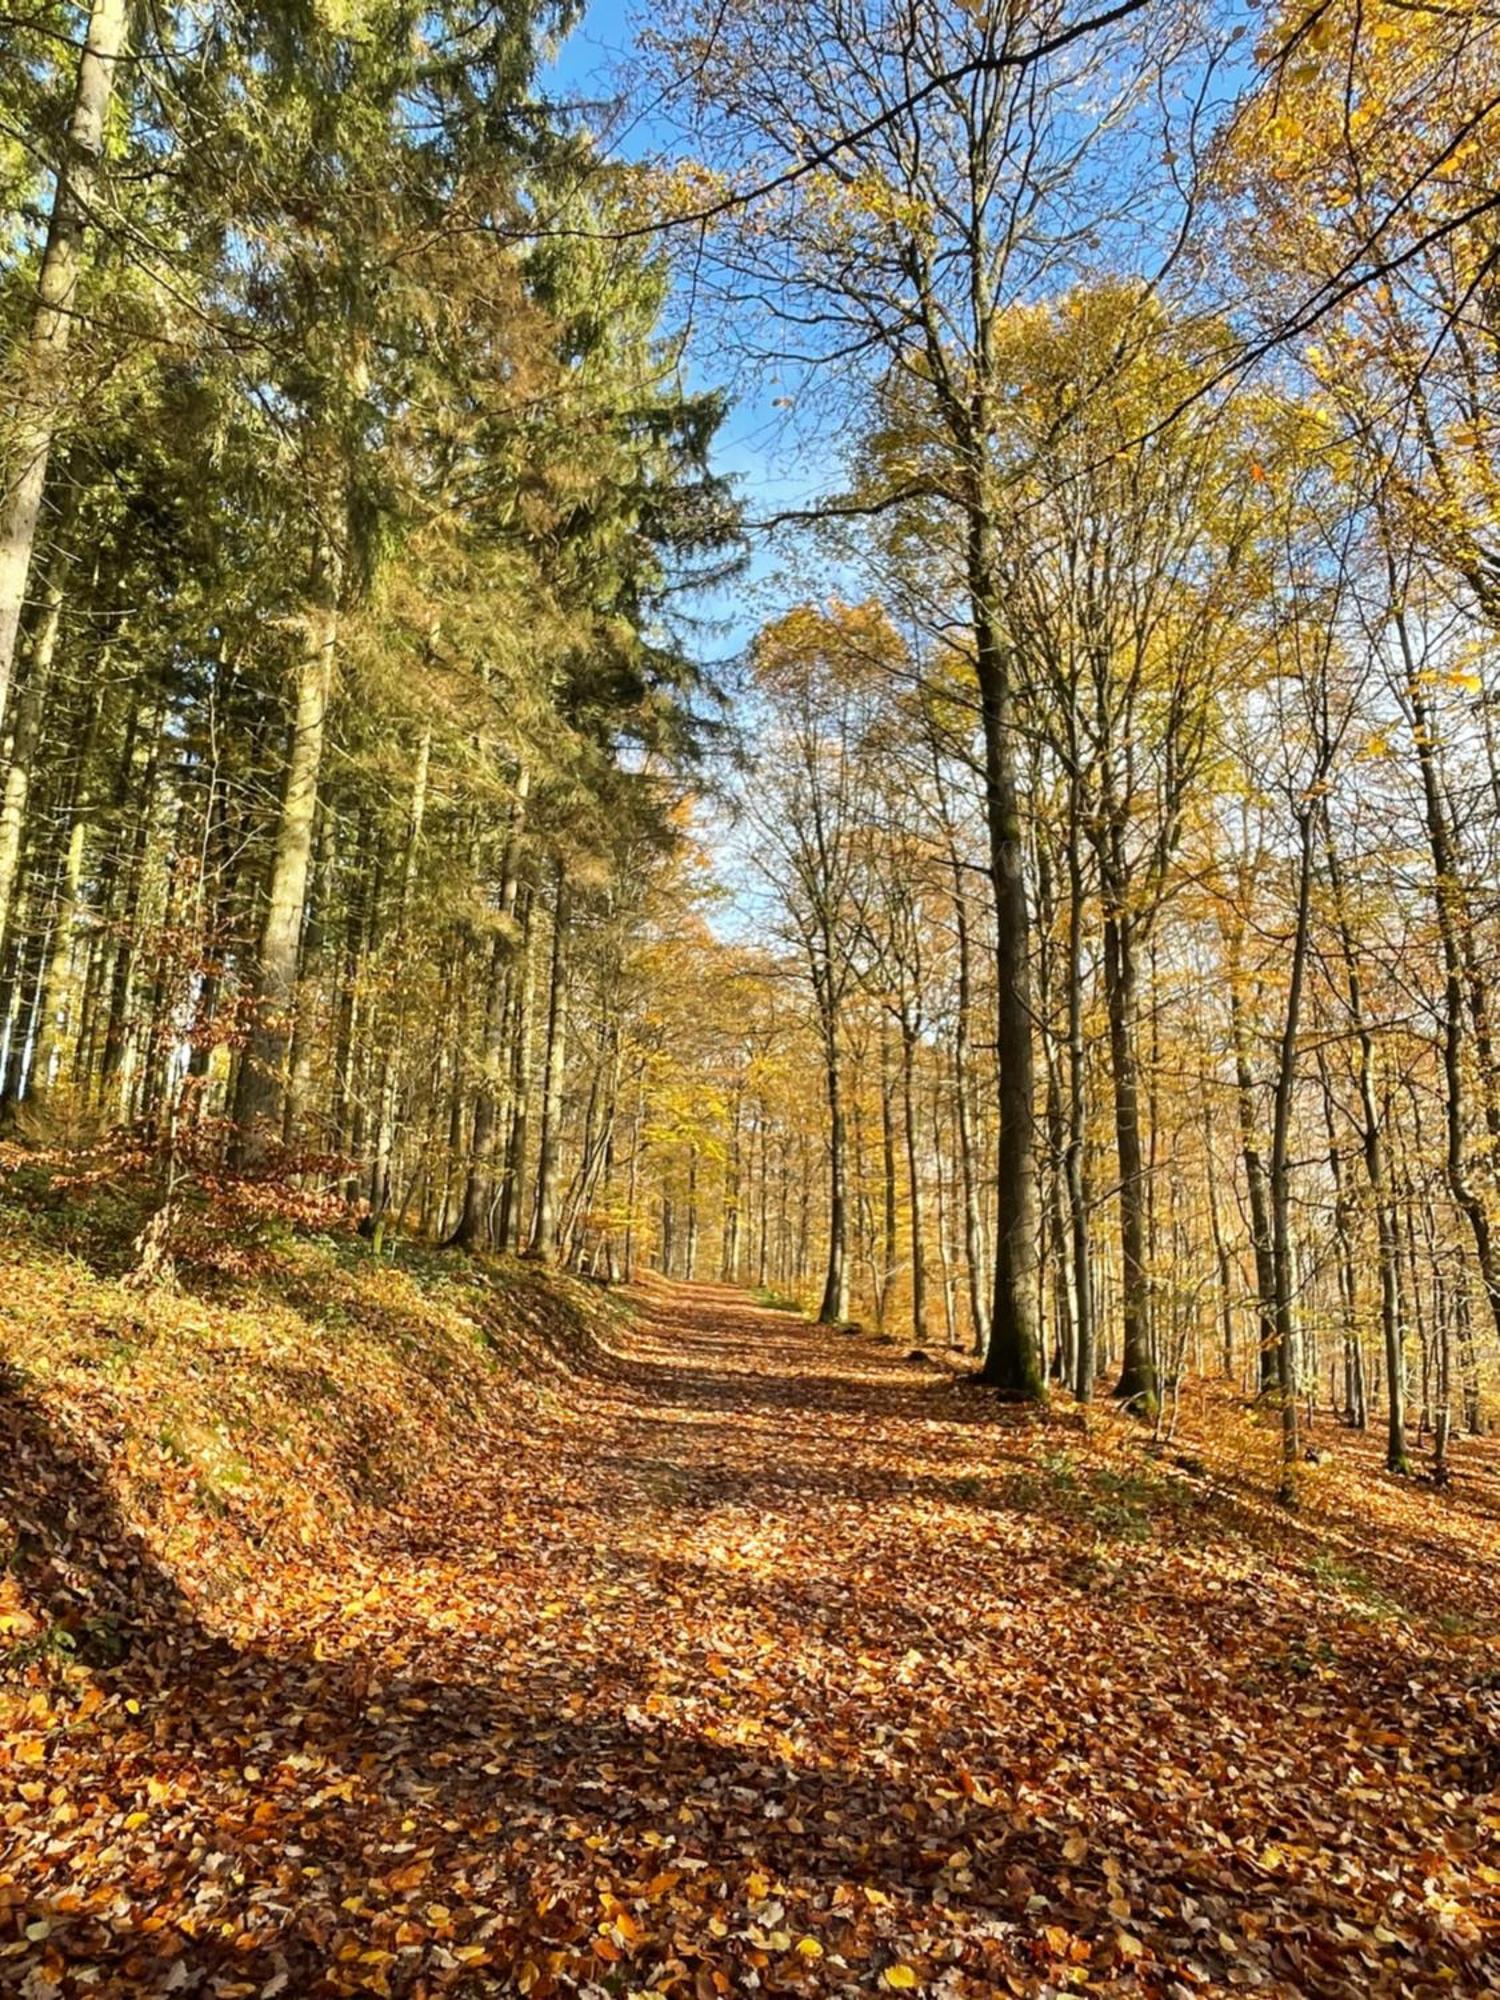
(751, 1657)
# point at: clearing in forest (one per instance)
(765, 1658)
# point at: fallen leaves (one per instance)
(747, 1662)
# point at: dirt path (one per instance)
(765, 1660)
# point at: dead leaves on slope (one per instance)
(755, 1663)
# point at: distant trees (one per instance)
(1111, 989)
(951, 153)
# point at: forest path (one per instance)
(812, 1665)
(759, 1658)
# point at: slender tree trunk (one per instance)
(887, 1178)
(492, 1097)
(125, 906)
(59, 1028)
(31, 958)
(1137, 1384)
(1377, 1174)
(729, 1263)
(549, 1150)
(1279, 1176)
(262, 1075)
(1076, 1159)
(306, 1027)
(29, 713)
(914, 1180)
(690, 1256)
(1451, 917)
(392, 1045)
(513, 1189)
(1012, 1359)
(1255, 1171)
(834, 1308)
(974, 1258)
(1222, 1263)
(1355, 1413)
(42, 388)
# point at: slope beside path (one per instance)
(756, 1657)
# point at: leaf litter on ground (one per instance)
(444, 1629)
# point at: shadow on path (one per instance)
(396, 1805)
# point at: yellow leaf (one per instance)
(901, 1977)
(808, 1947)
(1075, 1847)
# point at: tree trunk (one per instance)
(513, 1188)
(30, 712)
(1279, 1176)
(549, 1150)
(974, 1259)
(834, 1308)
(1137, 1384)
(914, 1181)
(1377, 1174)
(1255, 1171)
(1012, 1357)
(1076, 1159)
(729, 1262)
(41, 392)
(391, 1049)
(491, 1098)
(262, 1075)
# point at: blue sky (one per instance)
(753, 446)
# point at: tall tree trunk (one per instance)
(392, 1045)
(60, 1025)
(1222, 1263)
(1279, 1174)
(549, 1149)
(1012, 1358)
(887, 1178)
(262, 1075)
(492, 1097)
(1255, 1170)
(690, 1255)
(30, 711)
(513, 1187)
(1452, 918)
(1347, 1272)
(834, 1307)
(914, 1180)
(1137, 1384)
(1076, 1161)
(974, 1258)
(42, 387)
(729, 1263)
(139, 797)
